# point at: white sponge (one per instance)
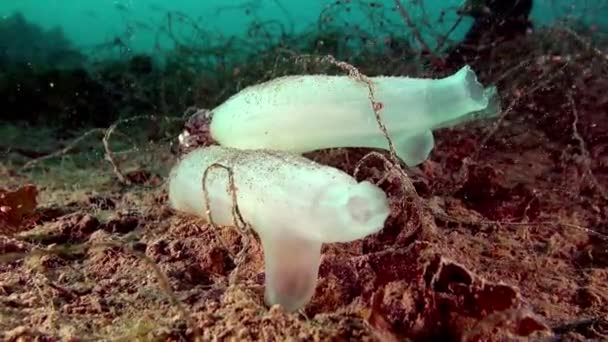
(292, 203)
(310, 112)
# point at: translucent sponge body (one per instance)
(310, 112)
(292, 203)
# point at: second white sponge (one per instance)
(293, 204)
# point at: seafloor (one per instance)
(504, 238)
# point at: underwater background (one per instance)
(92, 23)
(501, 233)
(190, 40)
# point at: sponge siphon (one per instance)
(292, 203)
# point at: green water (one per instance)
(139, 22)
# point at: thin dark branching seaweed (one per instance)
(586, 158)
(239, 223)
(396, 164)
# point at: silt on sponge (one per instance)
(310, 112)
(293, 204)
